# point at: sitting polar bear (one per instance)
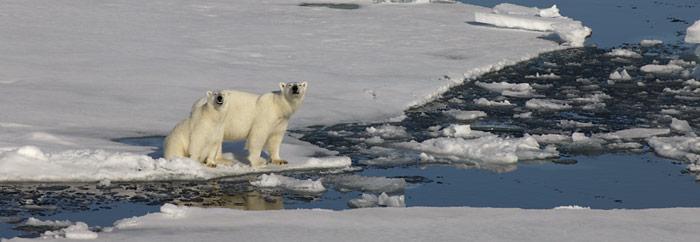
(262, 119)
(199, 137)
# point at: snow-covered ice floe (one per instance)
(289, 183)
(682, 148)
(365, 183)
(692, 34)
(508, 15)
(486, 149)
(30, 164)
(175, 223)
(383, 200)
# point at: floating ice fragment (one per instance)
(370, 200)
(488, 103)
(31, 221)
(681, 126)
(620, 75)
(634, 133)
(550, 76)
(573, 207)
(173, 211)
(78, 231)
(552, 12)
(366, 183)
(462, 131)
(683, 148)
(387, 131)
(624, 53)
(692, 34)
(667, 69)
(649, 43)
(547, 104)
(465, 115)
(508, 89)
(289, 183)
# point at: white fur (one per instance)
(262, 120)
(199, 137)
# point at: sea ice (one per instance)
(462, 131)
(488, 149)
(650, 42)
(387, 131)
(289, 183)
(681, 126)
(488, 103)
(547, 104)
(620, 76)
(508, 89)
(371, 200)
(547, 20)
(366, 183)
(624, 53)
(692, 34)
(667, 69)
(682, 148)
(465, 115)
(78, 231)
(50, 223)
(634, 133)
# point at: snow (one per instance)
(547, 104)
(465, 115)
(371, 200)
(30, 164)
(289, 183)
(682, 148)
(692, 34)
(572, 32)
(623, 53)
(408, 224)
(486, 149)
(462, 131)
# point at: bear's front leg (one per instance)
(274, 144)
(256, 141)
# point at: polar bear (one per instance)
(200, 136)
(262, 119)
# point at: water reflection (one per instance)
(253, 200)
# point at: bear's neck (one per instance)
(286, 106)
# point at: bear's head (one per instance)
(217, 100)
(293, 91)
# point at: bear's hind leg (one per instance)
(255, 143)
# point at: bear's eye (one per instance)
(219, 100)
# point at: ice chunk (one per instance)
(387, 131)
(550, 76)
(634, 133)
(547, 104)
(681, 126)
(552, 138)
(173, 211)
(289, 183)
(551, 12)
(623, 53)
(620, 75)
(682, 148)
(692, 34)
(575, 124)
(667, 69)
(488, 149)
(546, 20)
(49, 223)
(507, 89)
(650, 42)
(462, 131)
(488, 103)
(78, 231)
(465, 115)
(523, 115)
(366, 183)
(370, 200)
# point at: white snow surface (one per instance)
(407, 224)
(572, 32)
(692, 34)
(29, 163)
(289, 183)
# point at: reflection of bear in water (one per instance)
(262, 119)
(253, 200)
(199, 137)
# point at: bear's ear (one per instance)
(282, 86)
(209, 93)
(303, 84)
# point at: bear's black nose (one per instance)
(219, 100)
(295, 89)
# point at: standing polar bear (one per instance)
(200, 136)
(262, 119)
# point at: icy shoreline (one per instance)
(175, 223)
